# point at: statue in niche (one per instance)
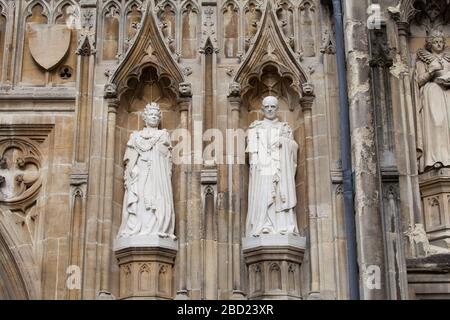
(148, 202)
(273, 162)
(432, 82)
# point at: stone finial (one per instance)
(185, 89)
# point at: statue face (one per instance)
(185, 88)
(152, 118)
(270, 108)
(438, 45)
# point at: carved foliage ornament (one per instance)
(20, 171)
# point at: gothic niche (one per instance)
(167, 18)
(286, 19)
(431, 14)
(149, 86)
(307, 10)
(252, 18)
(32, 74)
(20, 181)
(53, 60)
(2, 37)
(111, 18)
(230, 25)
(272, 82)
(133, 19)
(67, 15)
(189, 46)
(428, 45)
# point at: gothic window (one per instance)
(111, 18)
(189, 32)
(133, 19)
(167, 18)
(231, 25)
(32, 73)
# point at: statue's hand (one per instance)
(434, 67)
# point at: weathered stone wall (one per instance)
(75, 77)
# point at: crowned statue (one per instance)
(432, 95)
(273, 162)
(148, 201)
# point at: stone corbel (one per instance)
(308, 97)
(185, 90)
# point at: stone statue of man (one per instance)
(432, 83)
(148, 202)
(273, 161)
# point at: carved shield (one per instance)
(48, 43)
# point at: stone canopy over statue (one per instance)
(273, 162)
(432, 84)
(148, 208)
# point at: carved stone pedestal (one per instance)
(273, 263)
(435, 191)
(146, 267)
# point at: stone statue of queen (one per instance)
(148, 201)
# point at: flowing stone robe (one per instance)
(433, 111)
(148, 201)
(272, 196)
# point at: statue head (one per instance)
(435, 41)
(185, 89)
(270, 107)
(152, 115)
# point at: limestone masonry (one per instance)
(225, 149)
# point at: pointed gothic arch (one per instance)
(147, 51)
(19, 274)
(270, 51)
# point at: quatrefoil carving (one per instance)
(20, 171)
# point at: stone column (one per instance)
(306, 103)
(234, 101)
(369, 228)
(406, 138)
(113, 104)
(184, 104)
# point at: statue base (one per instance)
(435, 192)
(274, 263)
(146, 267)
